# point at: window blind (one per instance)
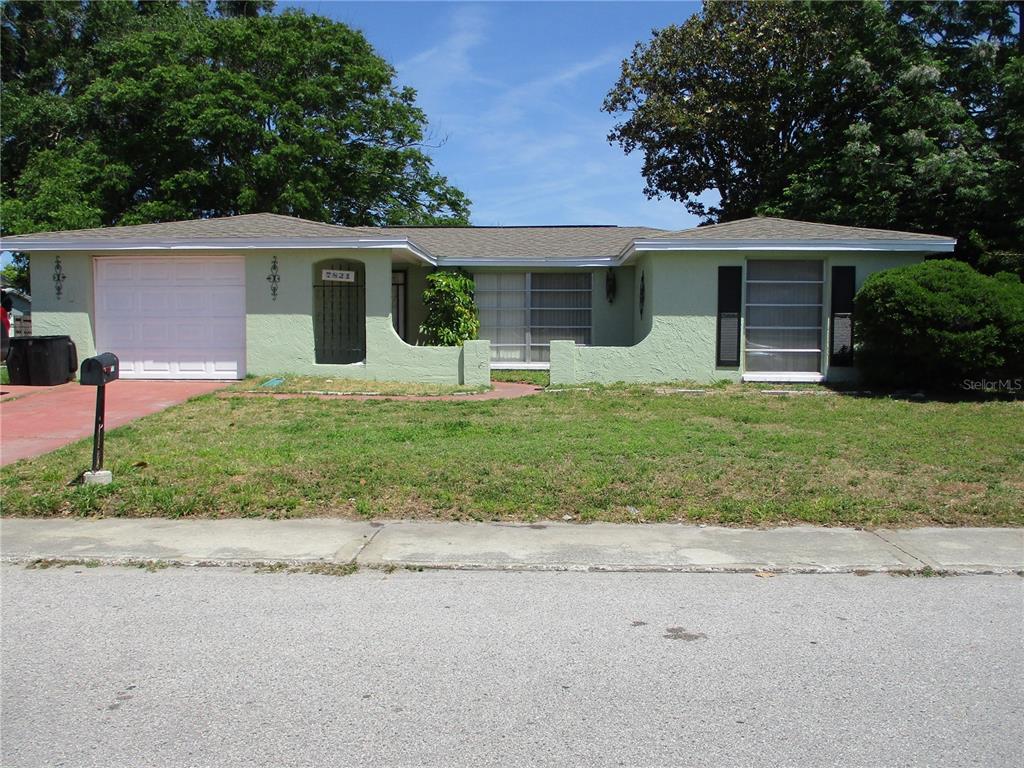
(521, 313)
(730, 292)
(841, 325)
(783, 328)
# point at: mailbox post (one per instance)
(98, 372)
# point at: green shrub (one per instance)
(939, 323)
(451, 311)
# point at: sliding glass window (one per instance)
(521, 313)
(783, 323)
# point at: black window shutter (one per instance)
(730, 296)
(841, 333)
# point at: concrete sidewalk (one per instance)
(498, 546)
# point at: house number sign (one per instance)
(339, 275)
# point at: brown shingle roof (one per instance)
(483, 243)
(449, 242)
(770, 228)
(244, 226)
(566, 242)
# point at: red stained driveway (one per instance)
(36, 420)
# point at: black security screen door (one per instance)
(339, 311)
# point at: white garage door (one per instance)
(172, 318)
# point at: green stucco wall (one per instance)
(676, 331)
(613, 322)
(642, 276)
(673, 339)
(71, 313)
(279, 331)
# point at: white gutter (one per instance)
(944, 245)
(540, 261)
(217, 244)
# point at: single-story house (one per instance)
(761, 299)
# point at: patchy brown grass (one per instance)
(319, 385)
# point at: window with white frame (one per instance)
(783, 323)
(522, 312)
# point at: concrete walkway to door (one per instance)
(37, 420)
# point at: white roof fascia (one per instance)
(597, 261)
(225, 244)
(914, 246)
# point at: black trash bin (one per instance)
(17, 361)
(42, 361)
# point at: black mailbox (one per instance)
(99, 370)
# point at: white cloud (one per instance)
(448, 63)
(515, 102)
(533, 151)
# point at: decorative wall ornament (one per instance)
(643, 294)
(610, 285)
(273, 278)
(58, 276)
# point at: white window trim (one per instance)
(784, 306)
(528, 329)
(793, 377)
(785, 282)
(773, 350)
(514, 366)
(785, 376)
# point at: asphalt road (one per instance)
(223, 667)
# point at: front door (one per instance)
(339, 311)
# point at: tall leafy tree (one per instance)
(721, 102)
(979, 49)
(122, 112)
(243, 7)
(899, 115)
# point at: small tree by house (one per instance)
(452, 316)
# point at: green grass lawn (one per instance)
(733, 455)
(537, 378)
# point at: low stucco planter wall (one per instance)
(667, 354)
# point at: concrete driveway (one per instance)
(37, 420)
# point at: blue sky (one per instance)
(514, 91)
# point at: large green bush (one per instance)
(939, 324)
(452, 316)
